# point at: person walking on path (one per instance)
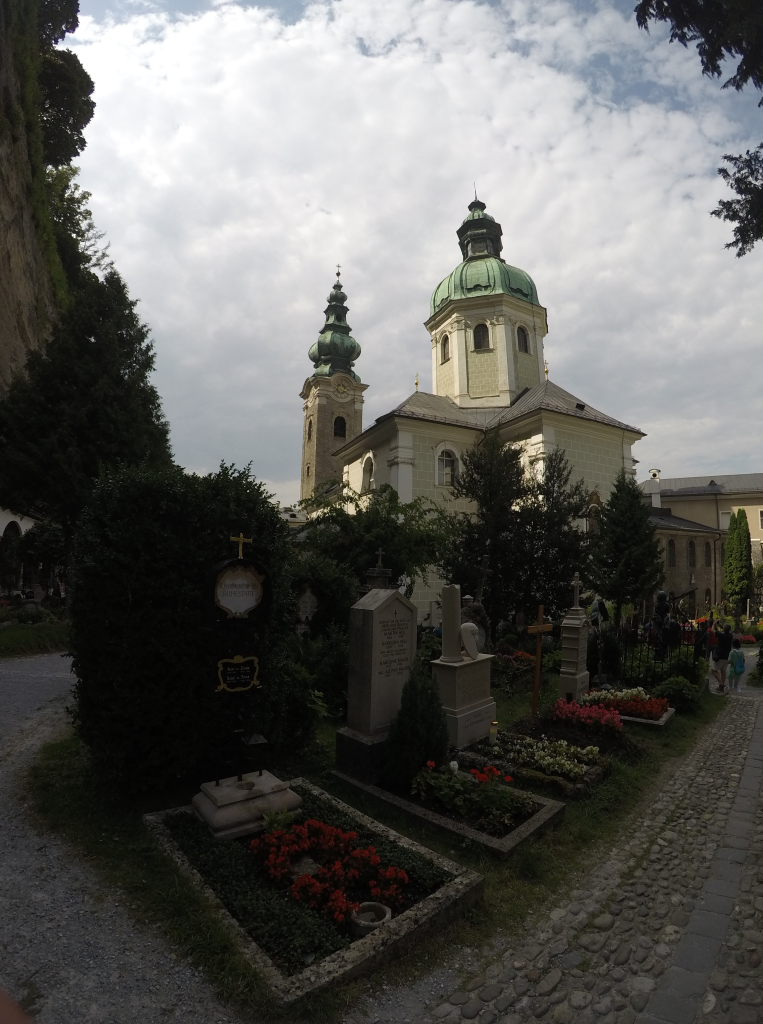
(721, 658)
(736, 666)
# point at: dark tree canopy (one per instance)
(350, 534)
(523, 525)
(724, 30)
(55, 19)
(737, 570)
(66, 106)
(626, 560)
(82, 406)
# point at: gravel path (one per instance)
(69, 952)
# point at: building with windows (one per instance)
(486, 329)
(692, 518)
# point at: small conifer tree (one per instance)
(738, 561)
(418, 733)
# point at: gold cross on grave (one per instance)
(241, 540)
(539, 629)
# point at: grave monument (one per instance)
(235, 806)
(463, 679)
(382, 649)
(573, 680)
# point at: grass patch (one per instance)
(117, 844)
(37, 638)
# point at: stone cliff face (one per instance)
(27, 307)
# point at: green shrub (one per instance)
(146, 642)
(325, 657)
(418, 733)
(680, 694)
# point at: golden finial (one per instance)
(417, 382)
(545, 367)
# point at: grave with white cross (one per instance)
(573, 679)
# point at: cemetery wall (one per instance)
(26, 297)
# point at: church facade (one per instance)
(486, 331)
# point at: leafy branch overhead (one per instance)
(724, 30)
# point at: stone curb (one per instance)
(404, 931)
(551, 812)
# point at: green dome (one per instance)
(336, 350)
(484, 275)
(483, 272)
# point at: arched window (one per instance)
(309, 430)
(692, 554)
(671, 554)
(447, 468)
(523, 342)
(340, 427)
(708, 554)
(723, 554)
(708, 599)
(481, 337)
(445, 349)
(368, 474)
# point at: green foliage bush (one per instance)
(418, 733)
(680, 694)
(145, 648)
(41, 638)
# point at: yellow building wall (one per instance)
(445, 378)
(596, 455)
(525, 369)
(482, 373)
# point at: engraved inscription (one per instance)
(394, 654)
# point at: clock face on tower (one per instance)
(342, 388)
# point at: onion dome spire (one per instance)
(336, 350)
(480, 234)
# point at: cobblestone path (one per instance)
(670, 925)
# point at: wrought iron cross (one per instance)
(576, 590)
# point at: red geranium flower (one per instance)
(430, 764)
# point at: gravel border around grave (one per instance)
(551, 812)
(449, 901)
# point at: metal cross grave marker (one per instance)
(241, 540)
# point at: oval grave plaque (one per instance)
(238, 591)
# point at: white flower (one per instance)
(453, 765)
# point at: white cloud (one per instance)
(233, 160)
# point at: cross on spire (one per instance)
(338, 268)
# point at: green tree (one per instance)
(83, 405)
(724, 30)
(523, 525)
(418, 733)
(66, 107)
(738, 562)
(554, 546)
(350, 534)
(626, 563)
(485, 542)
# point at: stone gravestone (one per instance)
(382, 649)
(573, 680)
(463, 680)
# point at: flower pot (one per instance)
(368, 917)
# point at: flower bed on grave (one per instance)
(480, 799)
(571, 770)
(633, 703)
(293, 889)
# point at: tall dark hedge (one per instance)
(418, 733)
(144, 644)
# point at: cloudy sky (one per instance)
(239, 152)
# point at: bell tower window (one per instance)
(340, 427)
(523, 342)
(445, 349)
(309, 430)
(481, 338)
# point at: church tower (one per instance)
(333, 398)
(486, 324)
